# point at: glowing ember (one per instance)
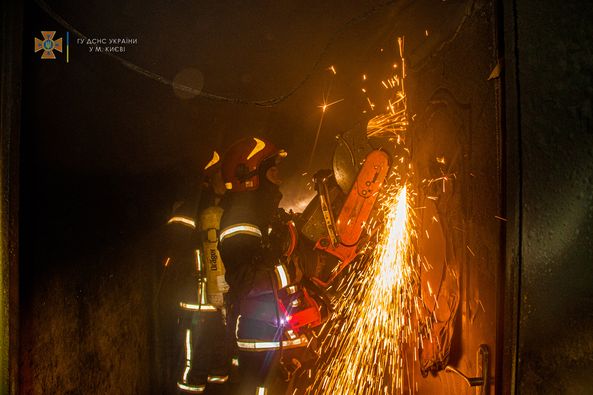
(365, 347)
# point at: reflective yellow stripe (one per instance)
(213, 161)
(197, 307)
(188, 347)
(237, 326)
(259, 145)
(258, 345)
(183, 220)
(218, 379)
(282, 276)
(194, 389)
(186, 372)
(202, 294)
(187, 357)
(246, 229)
(199, 261)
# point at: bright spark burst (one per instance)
(324, 108)
(366, 346)
(325, 105)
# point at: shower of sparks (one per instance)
(443, 179)
(394, 121)
(366, 346)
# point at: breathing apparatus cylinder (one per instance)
(216, 283)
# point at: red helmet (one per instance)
(242, 162)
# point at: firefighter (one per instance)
(200, 284)
(256, 243)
